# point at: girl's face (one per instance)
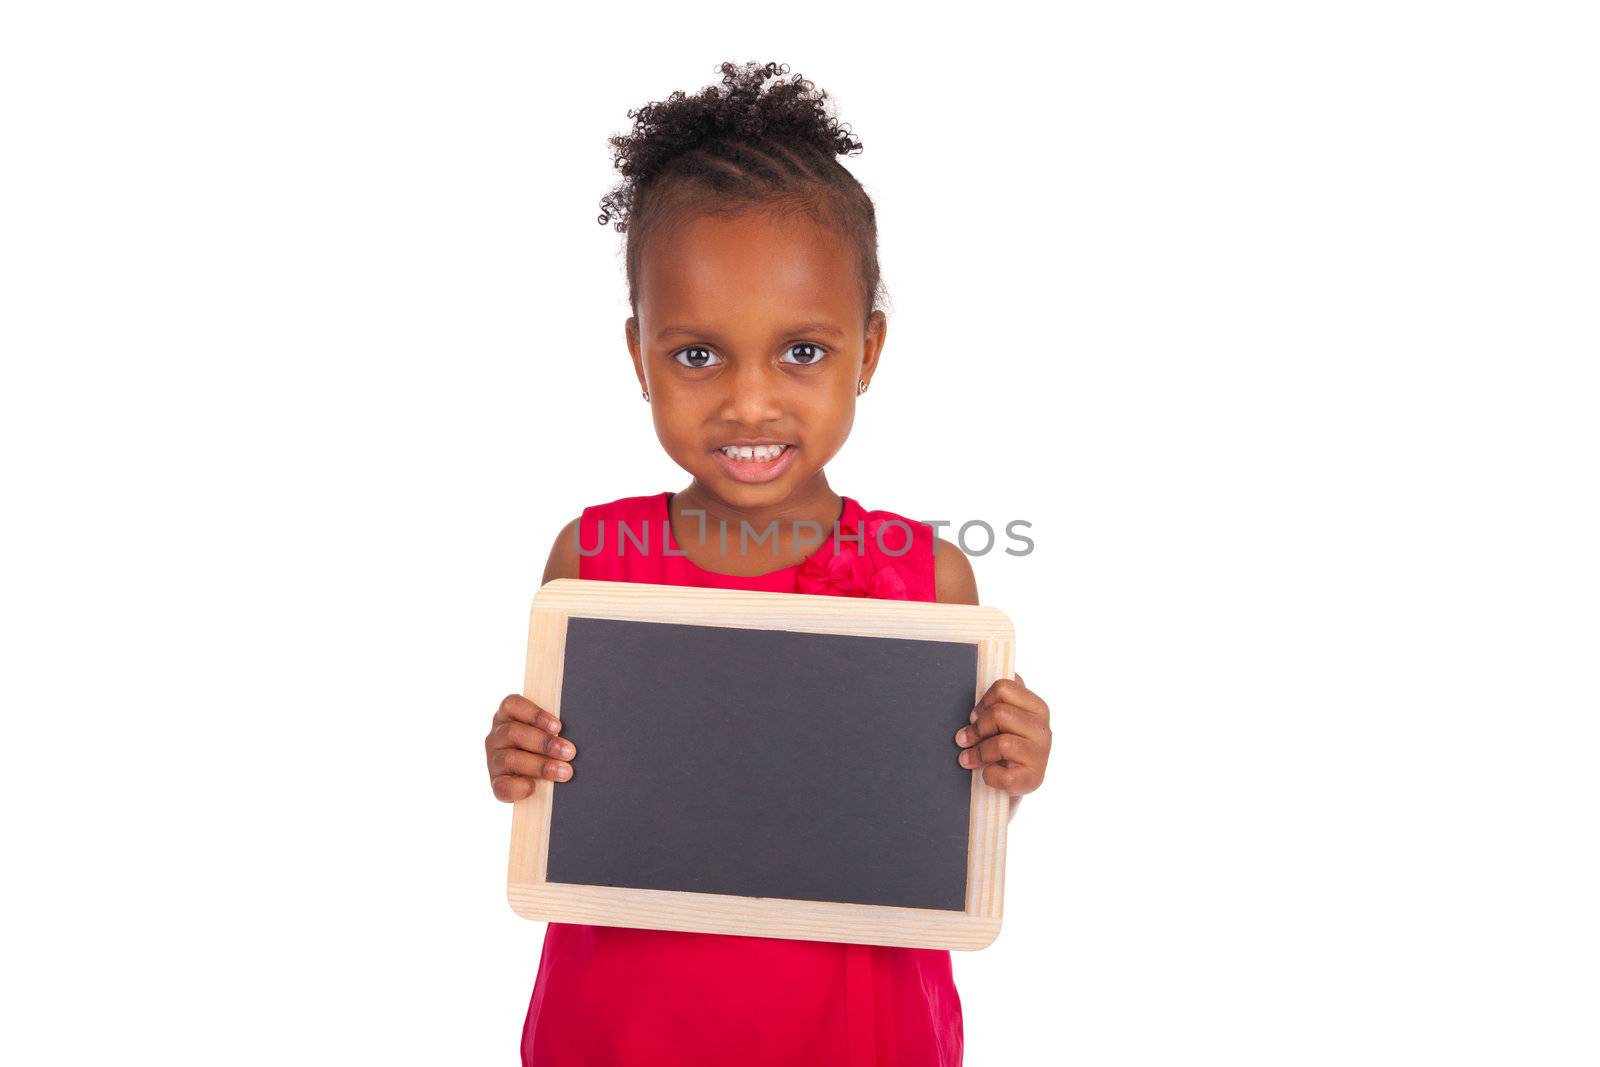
(750, 334)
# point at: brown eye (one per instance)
(810, 353)
(696, 356)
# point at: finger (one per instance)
(1014, 780)
(1011, 749)
(1012, 691)
(1003, 718)
(519, 708)
(515, 734)
(527, 764)
(511, 787)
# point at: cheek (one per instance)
(677, 424)
(847, 420)
(829, 415)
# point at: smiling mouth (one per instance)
(753, 453)
(754, 464)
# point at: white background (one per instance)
(1277, 321)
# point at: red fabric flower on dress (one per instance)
(848, 571)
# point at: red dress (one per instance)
(611, 996)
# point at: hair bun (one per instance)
(753, 104)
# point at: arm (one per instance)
(953, 579)
(563, 561)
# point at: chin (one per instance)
(752, 494)
(749, 492)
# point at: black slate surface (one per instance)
(764, 763)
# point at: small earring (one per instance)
(861, 386)
(645, 394)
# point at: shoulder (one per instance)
(588, 528)
(952, 574)
(564, 558)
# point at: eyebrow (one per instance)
(804, 327)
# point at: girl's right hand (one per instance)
(523, 747)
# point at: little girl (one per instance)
(753, 278)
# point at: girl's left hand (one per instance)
(1009, 737)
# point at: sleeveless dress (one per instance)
(610, 996)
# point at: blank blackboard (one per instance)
(764, 763)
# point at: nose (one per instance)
(754, 394)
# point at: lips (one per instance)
(754, 461)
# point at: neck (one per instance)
(815, 501)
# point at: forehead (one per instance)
(714, 269)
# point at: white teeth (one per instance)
(756, 453)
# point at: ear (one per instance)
(872, 347)
(630, 330)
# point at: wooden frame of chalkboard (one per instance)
(973, 925)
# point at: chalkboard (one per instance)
(764, 763)
(767, 764)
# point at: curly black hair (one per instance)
(735, 146)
